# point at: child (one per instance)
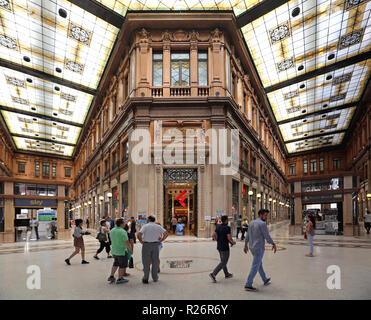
(78, 242)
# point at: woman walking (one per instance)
(103, 240)
(309, 233)
(78, 242)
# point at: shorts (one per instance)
(78, 242)
(120, 261)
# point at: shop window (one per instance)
(106, 168)
(54, 170)
(292, 169)
(20, 189)
(21, 167)
(52, 190)
(66, 191)
(1, 187)
(37, 168)
(157, 66)
(202, 69)
(321, 165)
(180, 69)
(336, 163)
(313, 165)
(67, 172)
(305, 166)
(46, 169)
(31, 189)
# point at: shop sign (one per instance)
(319, 198)
(29, 203)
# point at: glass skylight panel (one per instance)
(20, 124)
(56, 37)
(27, 93)
(318, 124)
(313, 143)
(123, 6)
(301, 36)
(42, 146)
(335, 88)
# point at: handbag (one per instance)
(101, 237)
(305, 236)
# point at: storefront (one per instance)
(25, 210)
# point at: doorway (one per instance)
(181, 204)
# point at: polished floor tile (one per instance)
(185, 264)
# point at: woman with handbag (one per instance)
(103, 239)
(309, 233)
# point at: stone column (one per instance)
(216, 59)
(194, 65)
(166, 64)
(297, 228)
(62, 232)
(9, 214)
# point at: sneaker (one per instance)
(96, 257)
(309, 255)
(111, 279)
(211, 275)
(144, 281)
(230, 275)
(118, 281)
(108, 257)
(155, 280)
(68, 261)
(84, 262)
(251, 288)
(267, 282)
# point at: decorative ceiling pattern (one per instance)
(124, 6)
(304, 37)
(59, 39)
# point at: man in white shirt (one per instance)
(149, 236)
(367, 218)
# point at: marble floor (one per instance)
(185, 264)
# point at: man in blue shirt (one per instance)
(256, 236)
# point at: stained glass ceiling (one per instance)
(303, 37)
(62, 41)
(124, 6)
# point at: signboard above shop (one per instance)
(35, 203)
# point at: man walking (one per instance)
(367, 221)
(120, 247)
(133, 229)
(239, 226)
(223, 237)
(256, 236)
(35, 224)
(149, 236)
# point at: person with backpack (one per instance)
(102, 237)
(78, 242)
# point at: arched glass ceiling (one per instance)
(53, 55)
(307, 54)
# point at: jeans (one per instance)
(224, 257)
(257, 265)
(310, 241)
